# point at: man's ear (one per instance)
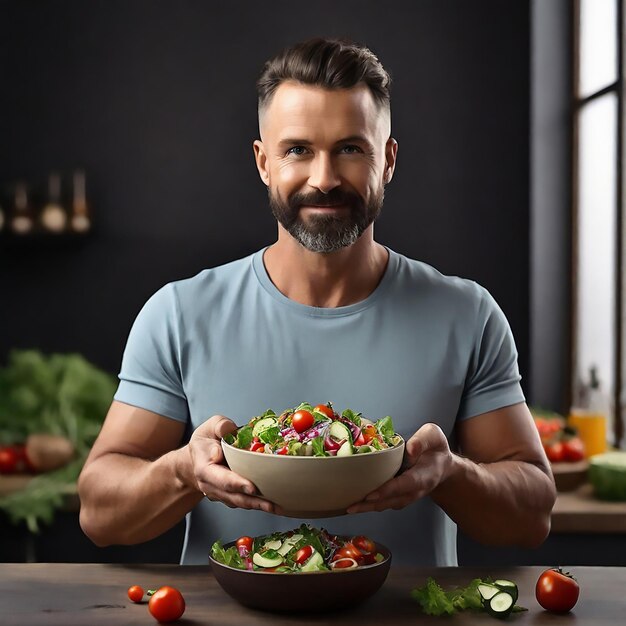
(391, 152)
(260, 157)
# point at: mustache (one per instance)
(333, 197)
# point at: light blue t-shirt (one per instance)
(422, 347)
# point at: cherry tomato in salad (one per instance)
(167, 604)
(348, 551)
(257, 446)
(303, 554)
(245, 542)
(8, 460)
(364, 544)
(326, 410)
(369, 433)
(302, 420)
(135, 593)
(360, 440)
(557, 591)
(283, 450)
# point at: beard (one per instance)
(326, 233)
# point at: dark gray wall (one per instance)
(157, 101)
(551, 203)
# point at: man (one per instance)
(325, 313)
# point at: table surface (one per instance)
(66, 594)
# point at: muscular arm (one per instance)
(499, 489)
(137, 482)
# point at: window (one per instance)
(599, 322)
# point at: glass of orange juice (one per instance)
(591, 428)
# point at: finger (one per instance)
(428, 437)
(398, 502)
(241, 501)
(228, 481)
(217, 426)
(402, 484)
(222, 425)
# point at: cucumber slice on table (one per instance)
(500, 605)
(509, 586)
(487, 591)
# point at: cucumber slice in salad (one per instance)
(263, 425)
(346, 449)
(340, 432)
(314, 564)
(500, 605)
(266, 561)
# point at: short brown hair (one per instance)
(327, 63)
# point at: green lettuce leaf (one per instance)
(433, 599)
(385, 428)
(318, 447)
(229, 556)
(355, 418)
(244, 437)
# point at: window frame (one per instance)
(578, 105)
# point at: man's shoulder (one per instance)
(228, 274)
(421, 278)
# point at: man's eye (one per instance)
(297, 150)
(352, 149)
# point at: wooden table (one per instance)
(95, 594)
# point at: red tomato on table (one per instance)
(557, 591)
(9, 459)
(135, 593)
(555, 452)
(573, 449)
(167, 604)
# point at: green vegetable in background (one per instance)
(60, 394)
(434, 600)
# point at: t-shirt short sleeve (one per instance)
(150, 376)
(493, 378)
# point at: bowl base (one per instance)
(313, 514)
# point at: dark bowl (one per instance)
(310, 591)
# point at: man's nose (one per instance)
(323, 175)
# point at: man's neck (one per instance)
(330, 280)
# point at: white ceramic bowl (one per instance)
(310, 486)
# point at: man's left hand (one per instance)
(427, 462)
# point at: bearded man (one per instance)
(323, 313)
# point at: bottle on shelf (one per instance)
(22, 219)
(81, 220)
(53, 215)
(591, 415)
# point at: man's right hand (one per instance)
(216, 481)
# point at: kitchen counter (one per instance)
(79, 594)
(577, 511)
